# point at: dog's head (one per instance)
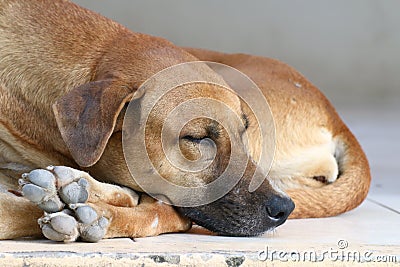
(89, 118)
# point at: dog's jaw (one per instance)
(231, 226)
(251, 214)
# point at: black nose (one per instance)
(279, 208)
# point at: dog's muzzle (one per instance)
(248, 215)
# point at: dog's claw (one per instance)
(50, 168)
(59, 187)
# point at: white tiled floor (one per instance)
(374, 226)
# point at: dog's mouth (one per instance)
(229, 218)
(228, 227)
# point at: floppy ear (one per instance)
(86, 117)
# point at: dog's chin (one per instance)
(230, 222)
(221, 227)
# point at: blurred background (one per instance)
(349, 49)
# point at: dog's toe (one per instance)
(67, 225)
(42, 178)
(52, 205)
(92, 227)
(85, 214)
(75, 192)
(34, 193)
(59, 226)
(39, 186)
(52, 234)
(95, 231)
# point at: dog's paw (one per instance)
(68, 225)
(92, 227)
(39, 186)
(50, 189)
(61, 192)
(59, 226)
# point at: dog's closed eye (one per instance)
(245, 121)
(194, 139)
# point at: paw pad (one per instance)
(59, 226)
(39, 186)
(75, 192)
(61, 187)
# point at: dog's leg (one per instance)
(149, 218)
(76, 205)
(18, 217)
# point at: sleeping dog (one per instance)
(67, 76)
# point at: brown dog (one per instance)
(66, 77)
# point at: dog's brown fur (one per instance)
(305, 120)
(66, 74)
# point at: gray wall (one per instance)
(349, 48)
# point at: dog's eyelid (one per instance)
(213, 130)
(194, 139)
(246, 121)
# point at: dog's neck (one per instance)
(36, 69)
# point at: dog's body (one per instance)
(65, 76)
